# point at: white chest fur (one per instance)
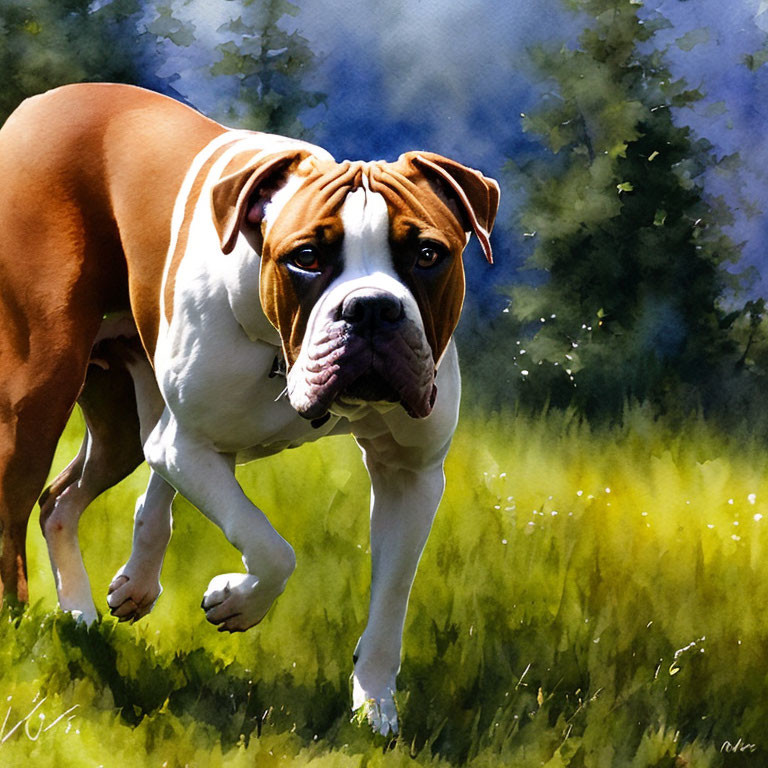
(214, 360)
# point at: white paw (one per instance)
(131, 596)
(83, 615)
(80, 607)
(379, 711)
(237, 601)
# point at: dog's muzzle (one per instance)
(368, 352)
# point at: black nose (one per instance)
(372, 309)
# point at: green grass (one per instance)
(586, 598)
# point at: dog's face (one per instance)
(361, 270)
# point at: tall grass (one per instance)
(588, 597)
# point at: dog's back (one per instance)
(82, 158)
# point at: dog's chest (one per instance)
(224, 386)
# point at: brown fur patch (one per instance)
(182, 239)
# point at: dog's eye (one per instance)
(430, 255)
(307, 258)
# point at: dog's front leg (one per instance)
(403, 505)
(136, 586)
(233, 601)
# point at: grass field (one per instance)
(587, 598)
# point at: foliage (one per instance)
(47, 43)
(587, 597)
(255, 78)
(258, 71)
(636, 263)
(269, 64)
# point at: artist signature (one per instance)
(737, 747)
(11, 725)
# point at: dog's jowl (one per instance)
(209, 296)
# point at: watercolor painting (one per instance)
(593, 589)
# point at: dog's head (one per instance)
(361, 268)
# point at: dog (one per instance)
(210, 296)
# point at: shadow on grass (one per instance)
(501, 707)
(142, 681)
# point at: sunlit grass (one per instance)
(587, 597)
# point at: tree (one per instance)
(269, 64)
(256, 79)
(633, 304)
(47, 43)
(258, 71)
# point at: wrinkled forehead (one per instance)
(310, 206)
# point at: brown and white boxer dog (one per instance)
(210, 296)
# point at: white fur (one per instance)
(367, 266)
(274, 206)
(61, 525)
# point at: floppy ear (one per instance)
(232, 196)
(477, 195)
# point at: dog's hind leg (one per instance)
(38, 393)
(111, 450)
(44, 352)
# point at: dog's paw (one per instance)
(381, 717)
(130, 596)
(237, 601)
(380, 712)
(79, 606)
(83, 615)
